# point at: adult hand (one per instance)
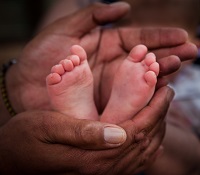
(106, 48)
(50, 143)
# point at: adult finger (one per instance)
(146, 147)
(137, 155)
(87, 19)
(156, 142)
(146, 120)
(86, 134)
(152, 152)
(169, 65)
(157, 128)
(185, 52)
(163, 81)
(130, 157)
(152, 37)
(150, 161)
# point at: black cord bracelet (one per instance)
(4, 93)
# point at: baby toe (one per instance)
(68, 65)
(150, 78)
(53, 78)
(75, 60)
(155, 68)
(150, 59)
(58, 69)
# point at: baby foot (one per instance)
(133, 86)
(70, 86)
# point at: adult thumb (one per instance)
(87, 134)
(85, 20)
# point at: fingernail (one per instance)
(170, 94)
(114, 135)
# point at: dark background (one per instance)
(18, 22)
(19, 18)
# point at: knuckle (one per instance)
(143, 161)
(88, 133)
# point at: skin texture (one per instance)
(43, 130)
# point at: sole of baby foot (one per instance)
(133, 86)
(70, 86)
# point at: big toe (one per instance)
(79, 51)
(138, 53)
